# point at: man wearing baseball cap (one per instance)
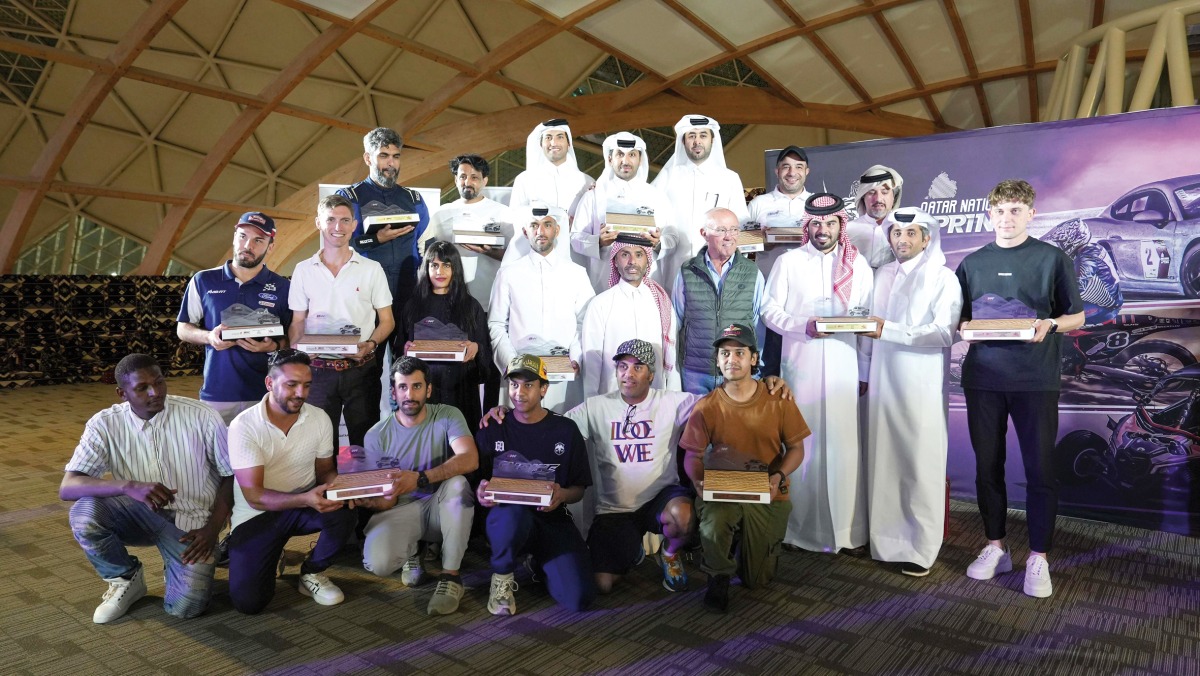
(544, 438)
(784, 204)
(235, 370)
(742, 419)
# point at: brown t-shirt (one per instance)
(759, 428)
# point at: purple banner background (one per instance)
(1130, 407)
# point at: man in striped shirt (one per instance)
(169, 485)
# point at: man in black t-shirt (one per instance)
(1017, 276)
(543, 443)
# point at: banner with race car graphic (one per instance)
(1121, 195)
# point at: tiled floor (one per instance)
(1126, 601)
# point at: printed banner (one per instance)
(1121, 196)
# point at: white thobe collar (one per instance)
(909, 266)
(631, 291)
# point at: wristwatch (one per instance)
(422, 480)
(1053, 325)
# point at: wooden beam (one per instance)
(910, 69)
(1027, 43)
(954, 83)
(303, 63)
(24, 208)
(175, 82)
(964, 48)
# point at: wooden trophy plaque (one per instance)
(844, 325)
(519, 491)
(369, 484)
(438, 350)
(750, 241)
(724, 485)
(998, 329)
(256, 331)
(317, 343)
(788, 235)
(558, 369)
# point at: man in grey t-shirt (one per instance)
(432, 448)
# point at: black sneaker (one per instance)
(716, 598)
(913, 570)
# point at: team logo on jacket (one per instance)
(560, 448)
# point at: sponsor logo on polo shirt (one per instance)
(269, 286)
(216, 290)
(268, 296)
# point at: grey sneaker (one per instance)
(318, 586)
(120, 596)
(500, 599)
(446, 597)
(410, 574)
(990, 561)
(1037, 577)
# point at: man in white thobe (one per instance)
(695, 180)
(622, 188)
(551, 176)
(916, 307)
(538, 301)
(635, 306)
(480, 262)
(877, 194)
(824, 276)
(784, 204)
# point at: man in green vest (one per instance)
(714, 289)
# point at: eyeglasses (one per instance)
(628, 419)
(281, 356)
(725, 232)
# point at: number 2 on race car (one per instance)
(1156, 261)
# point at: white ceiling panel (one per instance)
(640, 28)
(994, 31)
(959, 108)
(1055, 24)
(863, 49)
(814, 9)
(799, 67)
(741, 22)
(561, 8)
(924, 30)
(910, 108)
(1008, 101)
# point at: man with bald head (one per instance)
(713, 289)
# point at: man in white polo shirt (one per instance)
(281, 452)
(337, 289)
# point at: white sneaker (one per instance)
(318, 586)
(121, 594)
(1037, 577)
(990, 561)
(500, 599)
(446, 597)
(410, 574)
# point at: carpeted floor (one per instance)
(1126, 601)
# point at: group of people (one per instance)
(668, 334)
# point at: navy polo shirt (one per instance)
(234, 374)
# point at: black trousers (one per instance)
(1035, 419)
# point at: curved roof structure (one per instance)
(134, 131)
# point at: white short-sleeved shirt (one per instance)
(352, 297)
(287, 460)
(183, 448)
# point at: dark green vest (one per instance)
(706, 313)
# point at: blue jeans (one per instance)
(556, 546)
(699, 383)
(104, 528)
